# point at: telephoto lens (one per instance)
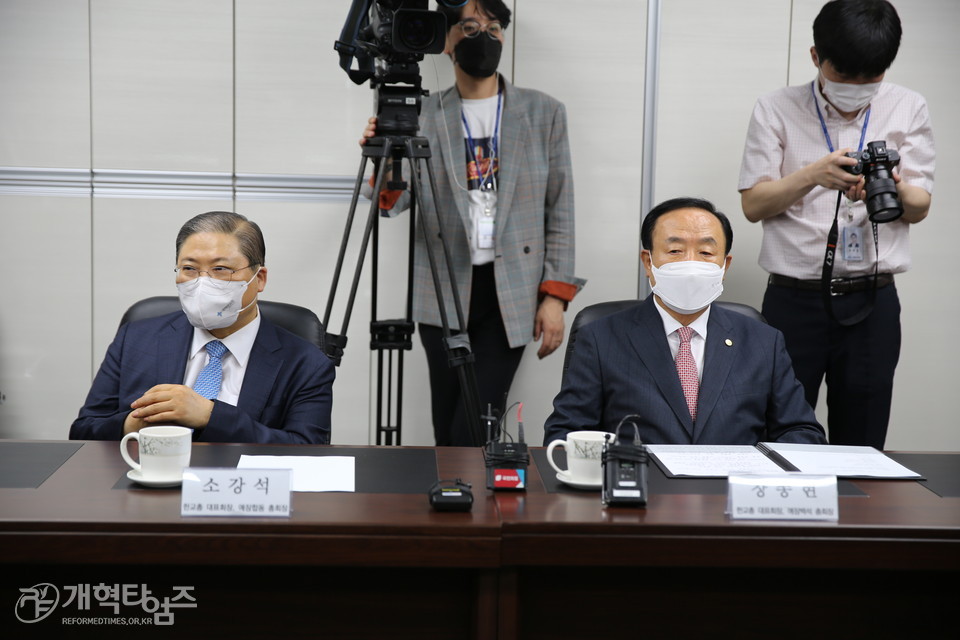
(876, 163)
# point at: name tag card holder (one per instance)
(230, 492)
(786, 496)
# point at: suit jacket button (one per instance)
(526, 249)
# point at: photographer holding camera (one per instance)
(834, 298)
(501, 160)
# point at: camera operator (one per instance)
(794, 165)
(502, 165)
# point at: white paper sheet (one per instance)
(309, 473)
(712, 460)
(841, 460)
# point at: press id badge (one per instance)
(486, 232)
(852, 243)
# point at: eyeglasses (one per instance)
(471, 28)
(217, 273)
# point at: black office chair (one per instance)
(592, 312)
(297, 320)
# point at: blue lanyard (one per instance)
(828, 259)
(823, 125)
(493, 144)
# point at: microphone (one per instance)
(507, 460)
(624, 469)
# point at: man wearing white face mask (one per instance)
(840, 314)
(692, 372)
(218, 367)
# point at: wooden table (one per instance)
(371, 564)
(541, 563)
(680, 568)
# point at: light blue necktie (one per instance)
(208, 382)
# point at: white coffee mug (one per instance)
(164, 452)
(583, 456)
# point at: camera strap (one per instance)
(831, 252)
(827, 273)
(348, 51)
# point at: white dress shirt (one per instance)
(785, 135)
(238, 344)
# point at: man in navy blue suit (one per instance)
(688, 371)
(218, 367)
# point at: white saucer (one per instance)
(134, 475)
(565, 479)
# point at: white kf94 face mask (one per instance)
(849, 98)
(689, 286)
(213, 304)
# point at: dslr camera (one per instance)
(387, 38)
(876, 164)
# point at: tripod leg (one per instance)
(458, 347)
(388, 336)
(335, 343)
(343, 242)
(371, 220)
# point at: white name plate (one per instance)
(782, 496)
(235, 492)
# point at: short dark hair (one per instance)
(247, 232)
(495, 8)
(860, 38)
(650, 220)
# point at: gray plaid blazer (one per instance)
(535, 222)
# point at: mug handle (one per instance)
(135, 435)
(550, 448)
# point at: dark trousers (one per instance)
(858, 361)
(495, 363)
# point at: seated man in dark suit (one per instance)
(218, 366)
(692, 372)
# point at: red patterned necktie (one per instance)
(687, 370)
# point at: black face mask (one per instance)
(478, 56)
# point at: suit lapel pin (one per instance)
(728, 342)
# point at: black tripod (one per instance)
(388, 336)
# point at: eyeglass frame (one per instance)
(179, 270)
(482, 27)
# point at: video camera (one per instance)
(876, 163)
(387, 38)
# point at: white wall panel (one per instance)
(44, 72)
(715, 60)
(922, 417)
(592, 60)
(303, 241)
(801, 68)
(133, 251)
(297, 111)
(44, 318)
(162, 84)
(600, 79)
(223, 87)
